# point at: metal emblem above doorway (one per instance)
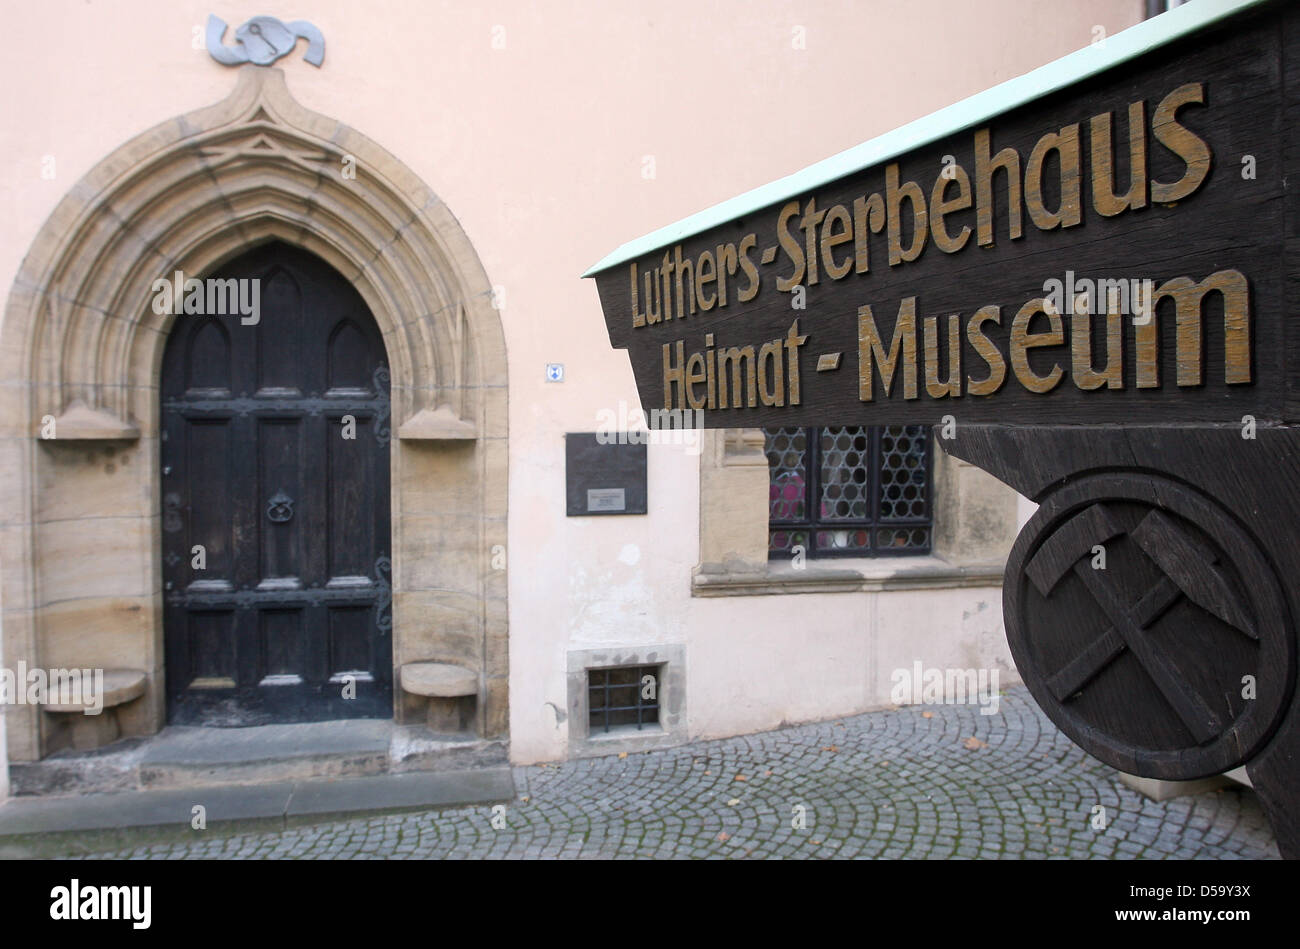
(262, 40)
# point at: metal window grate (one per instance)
(623, 697)
(849, 491)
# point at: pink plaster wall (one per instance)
(538, 148)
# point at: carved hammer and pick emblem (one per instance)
(1189, 569)
(1149, 625)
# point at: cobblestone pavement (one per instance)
(884, 784)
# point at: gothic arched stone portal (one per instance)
(82, 347)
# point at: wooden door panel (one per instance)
(282, 458)
(351, 527)
(208, 366)
(283, 645)
(293, 602)
(210, 515)
(212, 648)
(350, 640)
(350, 369)
(281, 295)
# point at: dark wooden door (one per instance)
(284, 614)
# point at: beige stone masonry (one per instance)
(80, 572)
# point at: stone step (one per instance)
(90, 823)
(190, 757)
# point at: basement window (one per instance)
(624, 698)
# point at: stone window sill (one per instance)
(844, 576)
(626, 738)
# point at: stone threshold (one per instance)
(55, 826)
(194, 757)
(856, 576)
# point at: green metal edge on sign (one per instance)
(1072, 68)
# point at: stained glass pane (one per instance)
(848, 490)
(787, 450)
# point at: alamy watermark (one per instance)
(629, 426)
(85, 901)
(1126, 296)
(214, 296)
(921, 686)
(24, 686)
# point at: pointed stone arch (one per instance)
(81, 348)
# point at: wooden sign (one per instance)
(1086, 279)
(1114, 251)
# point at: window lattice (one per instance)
(849, 491)
(623, 697)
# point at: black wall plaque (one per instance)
(604, 478)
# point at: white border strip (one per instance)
(1072, 68)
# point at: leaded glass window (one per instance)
(849, 491)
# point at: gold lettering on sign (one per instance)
(674, 375)
(1081, 367)
(1189, 303)
(838, 230)
(653, 314)
(1027, 332)
(733, 377)
(941, 206)
(737, 357)
(1070, 212)
(666, 274)
(710, 365)
(750, 290)
(726, 268)
(811, 219)
(1022, 341)
(991, 355)
(1104, 199)
(895, 195)
(792, 343)
(1083, 319)
(868, 214)
(1193, 150)
(833, 243)
(1189, 307)
(705, 274)
(793, 249)
(934, 387)
(685, 270)
(638, 318)
(771, 374)
(1007, 161)
(871, 352)
(695, 375)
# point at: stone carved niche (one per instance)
(82, 347)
